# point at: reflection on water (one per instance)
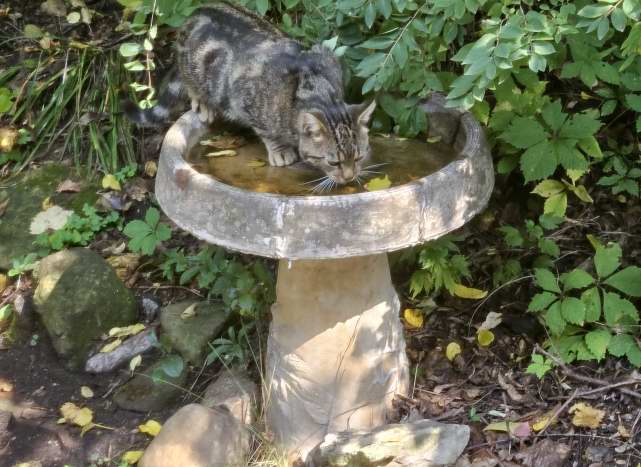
(405, 160)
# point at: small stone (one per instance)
(234, 390)
(190, 335)
(142, 394)
(150, 307)
(197, 436)
(419, 444)
(602, 454)
(135, 345)
(79, 298)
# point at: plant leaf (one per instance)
(467, 292)
(627, 281)
(413, 317)
(597, 342)
(452, 350)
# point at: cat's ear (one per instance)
(362, 113)
(311, 124)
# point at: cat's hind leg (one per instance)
(279, 155)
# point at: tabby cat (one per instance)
(236, 66)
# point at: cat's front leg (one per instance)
(280, 155)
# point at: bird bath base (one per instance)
(338, 366)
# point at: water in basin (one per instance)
(402, 161)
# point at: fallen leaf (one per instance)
(54, 8)
(4, 281)
(86, 392)
(520, 429)
(586, 416)
(492, 320)
(231, 152)
(224, 142)
(434, 139)
(8, 138)
(31, 31)
(545, 453)
(71, 413)
(413, 317)
(452, 350)
(53, 218)
(378, 183)
(484, 337)
(130, 330)
(109, 181)
(47, 203)
(73, 17)
(189, 312)
(132, 457)
(467, 292)
(151, 168)
(256, 163)
(111, 346)
(115, 249)
(135, 362)
(69, 186)
(515, 395)
(623, 431)
(547, 418)
(151, 427)
(124, 265)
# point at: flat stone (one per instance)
(142, 394)
(234, 390)
(190, 336)
(197, 436)
(25, 195)
(419, 444)
(135, 345)
(79, 298)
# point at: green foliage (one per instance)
(78, 230)
(243, 288)
(20, 266)
(440, 266)
(589, 316)
(233, 349)
(145, 236)
(539, 366)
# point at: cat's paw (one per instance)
(283, 158)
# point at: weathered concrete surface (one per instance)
(303, 227)
(338, 365)
(197, 436)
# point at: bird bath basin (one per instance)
(336, 352)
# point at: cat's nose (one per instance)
(348, 174)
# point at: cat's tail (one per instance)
(172, 98)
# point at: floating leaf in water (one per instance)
(224, 153)
(452, 350)
(256, 163)
(379, 183)
(224, 142)
(413, 317)
(151, 427)
(467, 292)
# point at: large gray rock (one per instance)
(234, 390)
(197, 436)
(423, 443)
(190, 335)
(79, 298)
(25, 196)
(144, 394)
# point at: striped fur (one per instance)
(235, 66)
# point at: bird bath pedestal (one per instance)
(336, 352)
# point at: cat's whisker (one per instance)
(315, 180)
(373, 166)
(371, 172)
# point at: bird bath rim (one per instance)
(291, 226)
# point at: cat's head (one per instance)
(336, 141)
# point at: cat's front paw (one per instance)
(283, 158)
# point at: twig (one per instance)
(605, 386)
(559, 411)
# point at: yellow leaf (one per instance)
(111, 346)
(587, 416)
(47, 203)
(544, 420)
(151, 168)
(256, 163)
(594, 241)
(132, 457)
(110, 182)
(189, 312)
(151, 427)
(485, 337)
(127, 330)
(86, 428)
(467, 292)
(86, 392)
(8, 138)
(378, 183)
(434, 139)
(231, 152)
(452, 350)
(135, 362)
(413, 317)
(74, 414)
(4, 281)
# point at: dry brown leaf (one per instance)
(224, 142)
(124, 265)
(586, 416)
(546, 453)
(510, 389)
(69, 186)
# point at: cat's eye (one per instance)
(334, 163)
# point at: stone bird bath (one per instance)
(336, 352)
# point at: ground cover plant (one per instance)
(525, 324)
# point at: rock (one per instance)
(234, 390)
(601, 454)
(142, 394)
(25, 196)
(419, 444)
(150, 307)
(189, 336)
(79, 297)
(135, 345)
(197, 436)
